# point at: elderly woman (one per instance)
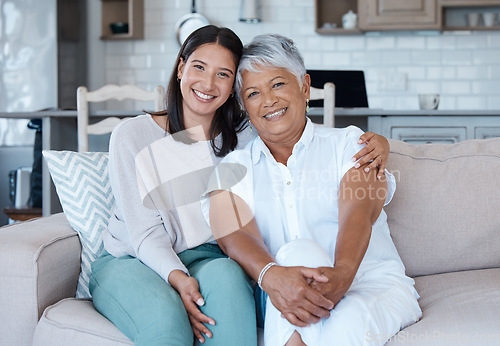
(294, 212)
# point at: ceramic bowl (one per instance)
(119, 28)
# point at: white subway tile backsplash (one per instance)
(149, 46)
(464, 67)
(119, 47)
(312, 43)
(366, 58)
(406, 102)
(490, 56)
(422, 57)
(380, 43)
(159, 32)
(313, 60)
(455, 88)
(412, 72)
(351, 43)
(494, 72)
(410, 42)
(382, 102)
(493, 102)
(471, 102)
(336, 60)
(424, 87)
(471, 42)
(485, 87)
(494, 39)
(472, 72)
(136, 62)
(443, 42)
(447, 102)
(457, 57)
(441, 72)
(153, 17)
(147, 75)
(396, 57)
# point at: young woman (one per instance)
(163, 277)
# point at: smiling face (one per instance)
(206, 82)
(276, 104)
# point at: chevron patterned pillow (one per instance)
(82, 184)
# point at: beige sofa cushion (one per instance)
(445, 214)
(75, 322)
(458, 309)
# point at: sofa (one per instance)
(444, 220)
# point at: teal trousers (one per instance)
(150, 312)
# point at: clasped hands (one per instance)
(305, 295)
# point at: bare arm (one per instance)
(356, 217)
(237, 233)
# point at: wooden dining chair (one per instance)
(109, 92)
(327, 94)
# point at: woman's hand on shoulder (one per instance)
(189, 290)
(376, 153)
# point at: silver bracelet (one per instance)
(264, 271)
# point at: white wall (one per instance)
(464, 67)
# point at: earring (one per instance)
(250, 124)
(307, 105)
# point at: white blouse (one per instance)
(300, 200)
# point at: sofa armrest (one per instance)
(39, 265)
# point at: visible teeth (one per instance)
(203, 96)
(275, 114)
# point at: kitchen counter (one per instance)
(412, 126)
(64, 114)
(314, 111)
(393, 112)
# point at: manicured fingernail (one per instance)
(360, 141)
(354, 159)
(200, 340)
(367, 169)
(379, 177)
(212, 323)
(200, 302)
(357, 165)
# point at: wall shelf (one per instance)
(395, 15)
(455, 15)
(330, 13)
(125, 11)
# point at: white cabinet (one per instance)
(398, 15)
(487, 132)
(423, 135)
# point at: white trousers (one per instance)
(381, 301)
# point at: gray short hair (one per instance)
(269, 50)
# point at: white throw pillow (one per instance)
(83, 187)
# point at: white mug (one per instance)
(489, 18)
(473, 19)
(428, 101)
